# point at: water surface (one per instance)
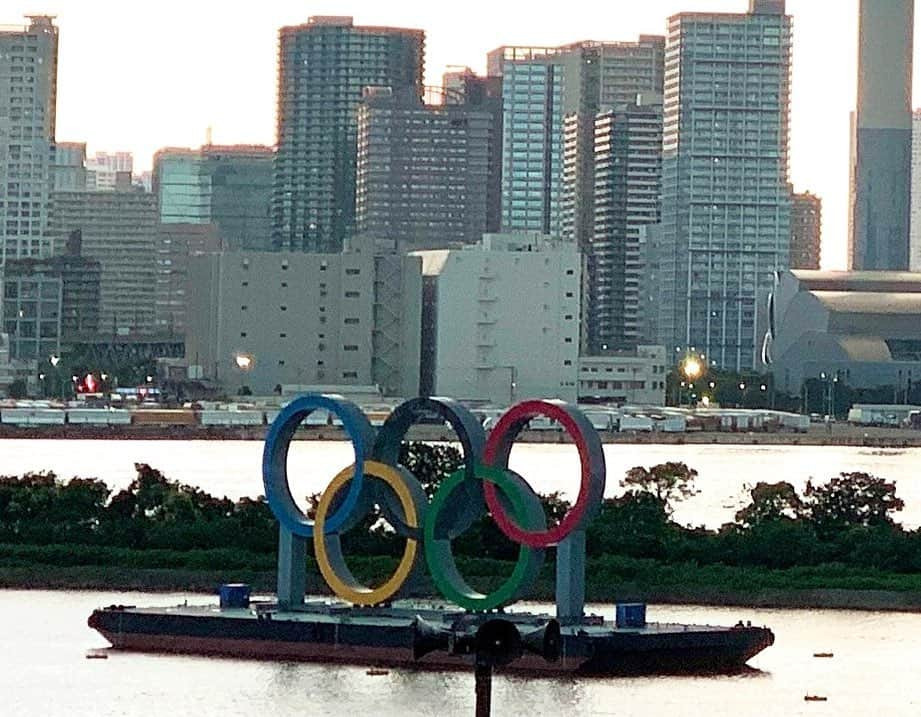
(43, 671)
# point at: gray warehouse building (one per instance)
(862, 328)
(261, 319)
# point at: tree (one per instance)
(771, 502)
(635, 524)
(431, 464)
(851, 499)
(668, 482)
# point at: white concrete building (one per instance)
(264, 319)
(501, 320)
(624, 377)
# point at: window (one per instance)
(351, 321)
(282, 336)
(284, 285)
(245, 283)
(352, 272)
(281, 362)
(283, 307)
(349, 374)
(242, 334)
(243, 308)
(352, 294)
(350, 347)
(567, 363)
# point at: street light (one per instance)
(691, 368)
(245, 362)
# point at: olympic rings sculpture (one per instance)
(484, 483)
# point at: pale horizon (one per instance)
(143, 77)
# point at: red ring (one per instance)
(591, 455)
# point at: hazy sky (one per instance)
(143, 76)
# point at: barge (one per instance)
(408, 636)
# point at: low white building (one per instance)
(621, 377)
(501, 320)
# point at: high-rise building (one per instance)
(423, 172)
(69, 170)
(50, 301)
(915, 234)
(241, 194)
(176, 244)
(181, 186)
(532, 134)
(324, 67)
(119, 230)
(229, 186)
(541, 88)
(28, 102)
(465, 87)
(881, 138)
(627, 181)
(725, 196)
(805, 231)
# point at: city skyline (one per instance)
(204, 75)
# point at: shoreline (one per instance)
(204, 582)
(840, 435)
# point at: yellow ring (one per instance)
(346, 586)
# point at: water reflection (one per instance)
(43, 671)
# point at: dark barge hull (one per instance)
(385, 638)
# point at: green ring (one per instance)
(439, 555)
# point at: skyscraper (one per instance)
(464, 86)
(423, 171)
(324, 66)
(532, 134)
(627, 181)
(119, 230)
(28, 101)
(725, 198)
(881, 150)
(805, 231)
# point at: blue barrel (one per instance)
(631, 615)
(234, 595)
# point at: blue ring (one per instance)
(275, 460)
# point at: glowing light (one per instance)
(691, 368)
